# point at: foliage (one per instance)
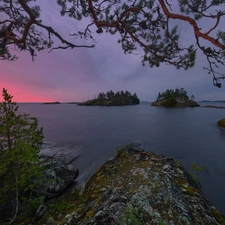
(30, 205)
(170, 97)
(110, 98)
(192, 97)
(20, 141)
(130, 216)
(22, 28)
(153, 26)
(61, 206)
(196, 169)
(160, 222)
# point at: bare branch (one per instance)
(69, 45)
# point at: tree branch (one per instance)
(193, 24)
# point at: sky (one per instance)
(80, 74)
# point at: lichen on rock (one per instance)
(137, 188)
(143, 188)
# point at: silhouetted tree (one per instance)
(110, 94)
(192, 97)
(170, 96)
(111, 98)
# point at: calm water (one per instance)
(187, 134)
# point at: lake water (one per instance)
(187, 134)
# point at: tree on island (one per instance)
(149, 25)
(113, 99)
(177, 97)
(20, 142)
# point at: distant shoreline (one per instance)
(141, 102)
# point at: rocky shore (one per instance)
(177, 104)
(58, 174)
(136, 187)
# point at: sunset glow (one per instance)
(23, 95)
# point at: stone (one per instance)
(152, 190)
(56, 179)
(188, 103)
(50, 221)
(221, 122)
(137, 145)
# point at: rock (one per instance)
(144, 188)
(56, 178)
(52, 150)
(58, 175)
(67, 219)
(178, 104)
(188, 103)
(50, 221)
(221, 122)
(137, 145)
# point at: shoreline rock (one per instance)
(177, 104)
(57, 177)
(138, 187)
(221, 123)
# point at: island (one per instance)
(51, 103)
(175, 98)
(213, 106)
(110, 98)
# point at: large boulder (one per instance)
(57, 177)
(143, 188)
(221, 122)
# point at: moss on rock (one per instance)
(138, 187)
(147, 188)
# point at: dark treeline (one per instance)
(171, 97)
(110, 98)
(177, 94)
